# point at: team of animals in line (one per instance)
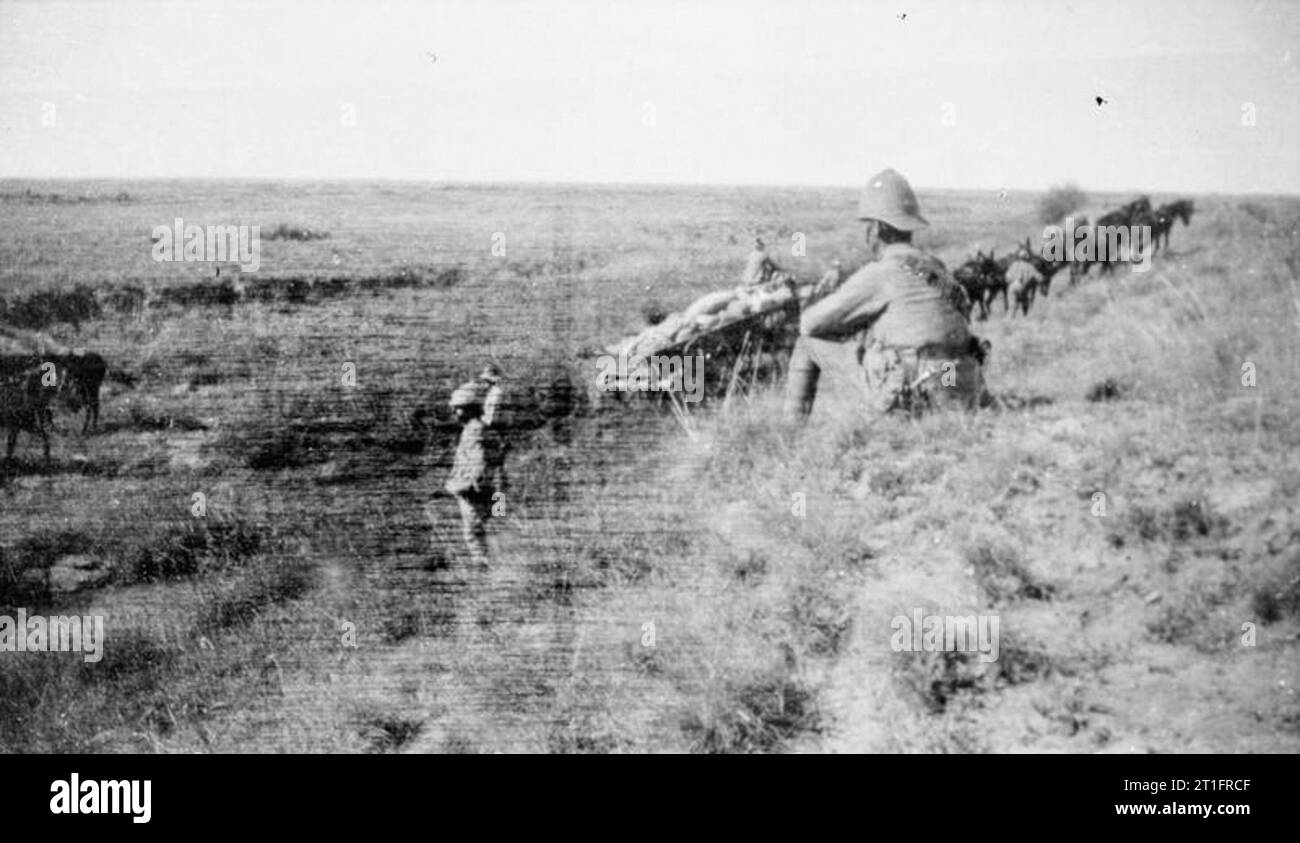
(984, 277)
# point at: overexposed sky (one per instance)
(1200, 96)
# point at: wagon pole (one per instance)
(735, 371)
(682, 415)
(757, 365)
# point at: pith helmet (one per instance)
(466, 395)
(889, 198)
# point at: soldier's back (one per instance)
(924, 306)
(1022, 272)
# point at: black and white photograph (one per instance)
(859, 377)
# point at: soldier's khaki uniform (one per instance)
(1022, 284)
(759, 268)
(477, 474)
(893, 337)
(496, 417)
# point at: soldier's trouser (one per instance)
(914, 381)
(827, 370)
(474, 514)
(877, 379)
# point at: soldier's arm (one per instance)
(492, 406)
(852, 307)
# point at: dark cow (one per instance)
(78, 374)
(83, 376)
(25, 405)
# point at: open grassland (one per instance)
(652, 590)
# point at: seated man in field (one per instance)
(760, 269)
(895, 335)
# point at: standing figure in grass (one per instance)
(497, 419)
(490, 377)
(1023, 281)
(477, 471)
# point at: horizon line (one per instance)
(620, 184)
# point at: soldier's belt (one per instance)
(930, 350)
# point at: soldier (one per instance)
(491, 378)
(760, 268)
(895, 335)
(1023, 280)
(477, 471)
(497, 418)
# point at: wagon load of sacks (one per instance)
(708, 314)
(743, 330)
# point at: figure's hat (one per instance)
(889, 198)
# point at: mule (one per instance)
(982, 279)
